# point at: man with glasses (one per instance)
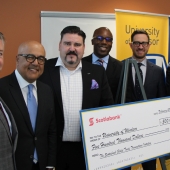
(102, 43)
(32, 105)
(152, 77)
(8, 129)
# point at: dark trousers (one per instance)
(150, 165)
(35, 166)
(71, 156)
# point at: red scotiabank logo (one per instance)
(104, 119)
(91, 121)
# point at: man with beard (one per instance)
(76, 85)
(151, 74)
(102, 43)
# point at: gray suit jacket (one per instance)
(8, 142)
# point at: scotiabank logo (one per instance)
(91, 121)
(104, 119)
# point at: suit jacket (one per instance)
(8, 142)
(154, 84)
(44, 137)
(168, 81)
(113, 72)
(91, 98)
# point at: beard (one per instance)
(71, 61)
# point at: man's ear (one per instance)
(92, 41)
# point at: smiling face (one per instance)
(30, 71)
(102, 47)
(71, 49)
(139, 52)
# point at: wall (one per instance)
(20, 20)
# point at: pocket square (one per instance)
(94, 84)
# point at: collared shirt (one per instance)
(24, 86)
(7, 117)
(143, 68)
(72, 92)
(105, 59)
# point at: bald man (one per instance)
(32, 105)
(102, 43)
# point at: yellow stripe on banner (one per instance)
(156, 26)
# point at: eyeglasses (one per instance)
(31, 58)
(137, 43)
(100, 38)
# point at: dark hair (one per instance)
(139, 32)
(2, 37)
(73, 30)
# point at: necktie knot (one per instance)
(100, 61)
(139, 64)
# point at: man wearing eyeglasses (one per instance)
(32, 105)
(102, 43)
(151, 74)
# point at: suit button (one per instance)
(31, 156)
(35, 138)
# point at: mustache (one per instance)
(71, 53)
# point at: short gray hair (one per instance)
(2, 37)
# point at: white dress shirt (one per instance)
(142, 67)
(71, 91)
(24, 86)
(105, 60)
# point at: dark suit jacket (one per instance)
(154, 84)
(91, 98)
(8, 142)
(44, 137)
(113, 72)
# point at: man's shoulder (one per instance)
(88, 58)
(115, 61)
(51, 61)
(156, 67)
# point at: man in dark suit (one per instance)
(151, 74)
(32, 106)
(76, 85)
(102, 43)
(8, 129)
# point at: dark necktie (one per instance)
(32, 109)
(100, 61)
(137, 86)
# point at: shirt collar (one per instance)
(143, 62)
(22, 82)
(95, 58)
(60, 63)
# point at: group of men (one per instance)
(45, 97)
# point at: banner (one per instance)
(157, 26)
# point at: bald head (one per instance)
(28, 46)
(102, 42)
(30, 60)
(102, 30)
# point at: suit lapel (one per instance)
(19, 100)
(13, 125)
(149, 73)
(4, 122)
(55, 78)
(87, 80)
